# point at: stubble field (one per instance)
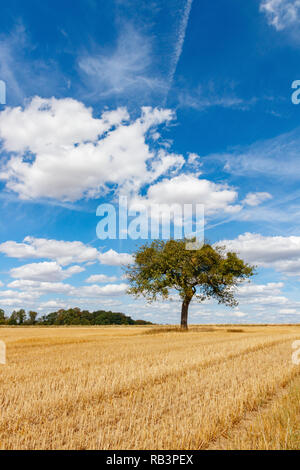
(143, 388)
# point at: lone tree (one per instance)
(209, 272)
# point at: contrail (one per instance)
(179, 45)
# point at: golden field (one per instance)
(149, 388)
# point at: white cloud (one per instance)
(271, 288)
(22, 70)
(45, 271)
(41, 287)
(260, 295)
(200, 101)
(287, 311)
(180, 37)
(56, 304)
(46, 125)
(277, 157)
(280, 253)
(254, 199)
(281, 14)
(269, 300)
(109, 289)
(187, 189)
(59, 150)
(113, 258)
(238, 314)
(142, 64)
(194, 159)
(20, 295)
(126, 69)
(63, 252)
(11, 297)
(101, 278)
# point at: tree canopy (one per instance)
(71, 316)
(209, 272)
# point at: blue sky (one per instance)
(162, 101)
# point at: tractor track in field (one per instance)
(249, 416)
(131, 388)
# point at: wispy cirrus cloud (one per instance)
(213, 94)
(278, 157)
(25, 74)
(142, 62)
(200, 101)
(127, 69)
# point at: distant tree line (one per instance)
(72, 316)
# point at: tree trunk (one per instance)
(184, 313)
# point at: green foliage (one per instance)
(13, 319)
(77, 317)
(2, 317)
(206, 273)
(72, 316)
(111, 318)
(32, 317)
(21, 316)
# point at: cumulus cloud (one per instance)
(42, 287)
(288, 311)
(100, 278)
(280, 253)
(59, 150)
(271, 288)
(10, 297)
(64, 252)
(261, 295)
(45, 271)
(55, 304)
(238, 314)
(113, 258)
(281, 14)
(187, 189)
(109, 289)
(254, 199)
(29, 293)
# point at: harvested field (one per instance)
(123, 388)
